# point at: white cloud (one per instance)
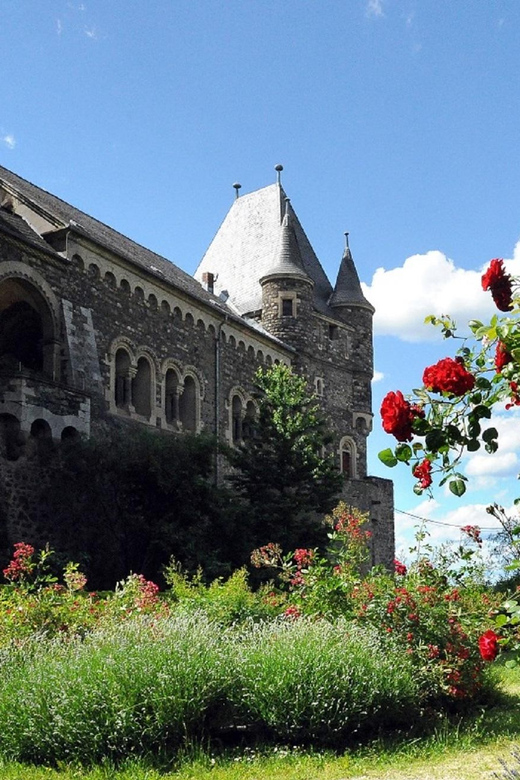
(375, 8)
(503, 464)
(9, 140)
(426, 284)
(378, 376)
(59, 26)
(90, 32)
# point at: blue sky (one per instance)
(397, 120)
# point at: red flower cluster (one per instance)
(292, 613)
(488, 645)
(423, 472)
(500, 283)
(448, 376)
(303, 557)
(515, 395)
(473, 532)
(400, 568)
(268, 555)
(21, 563)
(148, 593)
(502, 357)
(398, 415)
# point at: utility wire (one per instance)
(439, 522)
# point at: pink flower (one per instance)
(473, 533)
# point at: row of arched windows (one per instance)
(14, 442)
(136, 390)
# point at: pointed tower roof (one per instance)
(246, 244)
(287, 259)
(347, 291)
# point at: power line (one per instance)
(439, 522)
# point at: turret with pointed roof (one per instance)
(347, 291)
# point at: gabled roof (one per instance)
(245, 247)
(63, 215)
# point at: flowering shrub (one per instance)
(436, 611)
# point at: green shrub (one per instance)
(143, 685)
(318, 681)
(226, 601)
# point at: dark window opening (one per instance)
(346, 464)
(333, 332)
(21, 338)
(287, 307)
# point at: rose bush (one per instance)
(436, 610)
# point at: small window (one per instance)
(346, 464)
(287, 307)
(333, 332)
(318, 385)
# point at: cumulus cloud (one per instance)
(375, 8)
(491, 470)
(426, 284)
(9, 140)
(378, 376)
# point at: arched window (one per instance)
(347, 458)
(10, 437)
(142, 388)
(171, 397)
(236, 419)
(248, 424)
(122, 388)
(188, 405)
(27, 332)
(69, 434)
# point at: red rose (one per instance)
(448, 376)
(502, 357)
(423, 472)
(500, 284)
(488, 645)
(398, 415)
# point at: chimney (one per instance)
(208, 281)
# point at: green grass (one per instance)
(463, 749)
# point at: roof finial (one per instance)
(237, 187)
(278, 168)
(346, 241)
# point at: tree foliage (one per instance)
(280, 471)
(128, 501)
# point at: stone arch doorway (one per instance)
(27, 331)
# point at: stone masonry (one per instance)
(95, 328)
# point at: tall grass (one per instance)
(322, 682)
(156, 685)
(130, 689)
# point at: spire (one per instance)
(287, 260)
(347, 291)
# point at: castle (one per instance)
(94, 326)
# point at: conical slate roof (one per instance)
(246, 244)
(347, 291)
(287, 260)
